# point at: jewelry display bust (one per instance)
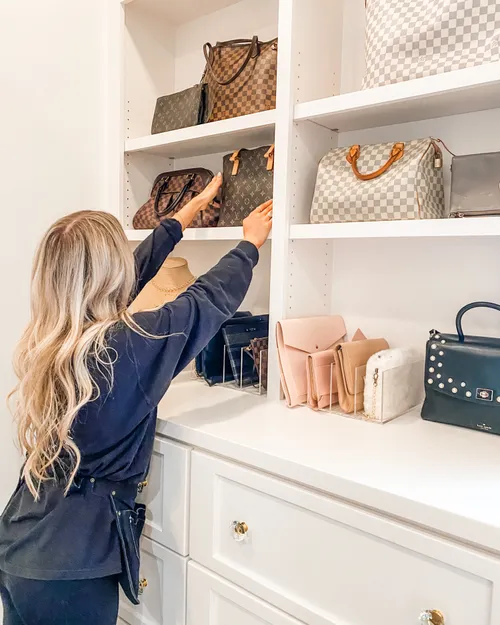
(173, 278)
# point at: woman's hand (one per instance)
(199, 203)
(257, 226)
(209, 193)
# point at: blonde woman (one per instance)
(90, 379)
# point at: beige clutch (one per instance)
(321, 379)
(350, 364)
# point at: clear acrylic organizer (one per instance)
(255, 388)
(392, 393)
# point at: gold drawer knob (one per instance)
(432, 617)
(143, 584)
(239, 530)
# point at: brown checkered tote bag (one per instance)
(171, 191)
(241, 77)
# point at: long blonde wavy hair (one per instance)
(82, 281)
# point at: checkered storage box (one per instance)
(411, 188)
(407, 39)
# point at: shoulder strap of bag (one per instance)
(465, 309)
(253, 51)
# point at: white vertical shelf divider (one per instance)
(282, 187)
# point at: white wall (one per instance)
(52, 156)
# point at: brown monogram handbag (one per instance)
(180, 110)
(247, 183)
(241, 77)
(259, 349)
(171, 191)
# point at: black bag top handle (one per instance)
(253, 51)
(173, 204)
(465, 309)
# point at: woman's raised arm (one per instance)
(152, 252)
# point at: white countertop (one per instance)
(442, 477)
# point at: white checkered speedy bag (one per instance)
(383, 182)
(407, 39)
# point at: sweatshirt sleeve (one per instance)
(152, 252)
(185, 326)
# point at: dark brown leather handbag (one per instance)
(248, 183)
(259, 349)
(241, 77)
(180, 110)
(171, 191)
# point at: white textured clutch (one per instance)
(393, 385)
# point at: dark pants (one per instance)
(81, 602)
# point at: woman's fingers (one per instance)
(265, 206)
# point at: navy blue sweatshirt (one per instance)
(74, 537)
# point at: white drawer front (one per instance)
(326, 562)
(164, 599)
(215, 601)
(167, 496)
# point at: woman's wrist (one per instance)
(178, 218)
(188, 212)
(253, 241)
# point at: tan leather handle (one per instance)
(235, 159)
(270, 158)
(397, 152)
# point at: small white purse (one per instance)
(393, 384)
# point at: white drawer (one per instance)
(167, 496)
(326, 562)
(214, 601)
(164, 599)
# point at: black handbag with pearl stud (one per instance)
(462, 378)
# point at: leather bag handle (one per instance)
(465, 309)
(397, 152)
(253, 51)
(172, 205)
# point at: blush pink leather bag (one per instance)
(322, 388)
(297, 338)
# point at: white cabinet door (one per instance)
(327, 562)
(214, 601)
(164, 599)
(167, 496)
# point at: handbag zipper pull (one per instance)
(438, 157)
(373, 414)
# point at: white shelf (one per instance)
(464, 91)
(468, 227)
(179, 12)
(241, 132)
(195, 234)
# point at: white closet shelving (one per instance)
(464, 91)
(247, 131)
(358, 270)
(391, 279)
